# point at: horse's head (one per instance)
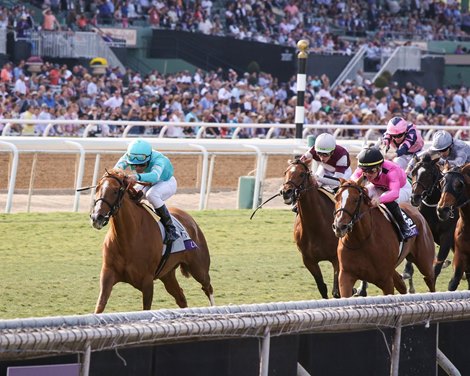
(108, 198)
(455, 186)
(350, 200)
(426, 175)
(297, 178)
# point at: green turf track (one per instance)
(50, 264)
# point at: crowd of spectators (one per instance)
(62, 92)
(323, 22)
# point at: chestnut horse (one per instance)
(368, 246)
(455, 187)
(312, 228)
(133, 245)
(426, 194)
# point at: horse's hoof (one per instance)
(411, 290)
(406, 275)
(446, 263)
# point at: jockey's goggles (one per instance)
(370, 170)
(398, 135)
(137, 158)
(323, 154)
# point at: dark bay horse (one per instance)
(368, 246)
(455, 187)
(312, 228)
(132, 248)
(426, 195)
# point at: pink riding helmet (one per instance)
(397, 125)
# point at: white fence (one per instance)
(339, 130)
(39, 337)
(207, 148)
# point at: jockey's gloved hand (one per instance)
(132, 179)
(375, 201)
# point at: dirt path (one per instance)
(188, 201)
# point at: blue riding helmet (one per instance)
(138, 152)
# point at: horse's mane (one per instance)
(117, 172)
(362, 189)
(133, 194)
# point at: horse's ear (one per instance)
(362, 181)
(447, 167)
(342, 181)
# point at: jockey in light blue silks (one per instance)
(151, 166)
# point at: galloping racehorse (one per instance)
(455, 187)
(368, 246)
(426, 195)
(133, 245)
(312, 228)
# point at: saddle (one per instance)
(384, 210)
(183, 243)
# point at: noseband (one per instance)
(356, 215)
(299, 188)
(117, 203)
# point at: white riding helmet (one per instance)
(441, 140)
(325, 143)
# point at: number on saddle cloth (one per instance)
(406, 217)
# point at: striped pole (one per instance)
(302, 45)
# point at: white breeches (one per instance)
(403, 160)
(405, 192)
(158, 193)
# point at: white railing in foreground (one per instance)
(28, 338)
(368, 131)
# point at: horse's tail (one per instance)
(185, 270)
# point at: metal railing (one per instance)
(355, 64)
(69, 44)
(406, 58)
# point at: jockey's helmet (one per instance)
(325, 143)
(397, 125)
(441, 140)
(369, 157)
(138, 152)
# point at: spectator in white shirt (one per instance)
(115, 101)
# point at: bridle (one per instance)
(427, 191)
(356, 215)
(113, 207)
(446, 186)
(302, 186)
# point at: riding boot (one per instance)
(397, 214)
(165, 218)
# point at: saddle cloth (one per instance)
(406, 217)
(183, 243)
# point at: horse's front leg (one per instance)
(315, 271)
(459, 268)
(147, 292)
(346, 283)
(444, 249)
(107, 281)
(335, 292)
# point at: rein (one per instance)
(427, 192)
(302, 187)
(113, 208)
(357, 215)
